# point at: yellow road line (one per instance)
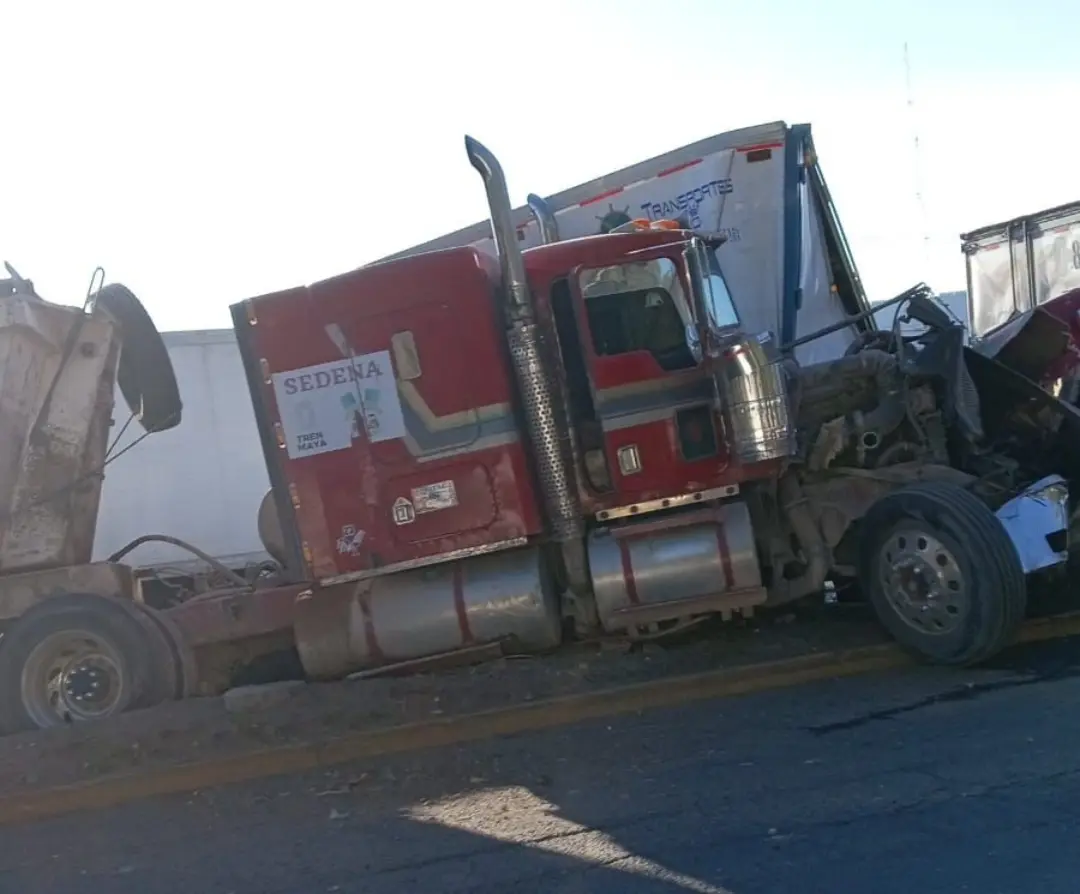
(1057, 627)
(114, 790)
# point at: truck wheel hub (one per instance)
(72, 676)
(922, 581)
(87, 682)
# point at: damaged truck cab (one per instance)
(472, 452)
(519, 417)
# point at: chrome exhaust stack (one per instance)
(544, 416)
(502, 230)
(545, 218)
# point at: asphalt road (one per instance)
(925, 781)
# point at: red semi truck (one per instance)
(476, 450)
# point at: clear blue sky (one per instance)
(205, 152)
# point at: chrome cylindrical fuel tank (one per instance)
(756, 404)
(693, 563)
(426, 611)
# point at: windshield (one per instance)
(638, 306)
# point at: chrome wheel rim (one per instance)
(73, 676)
(922, 581)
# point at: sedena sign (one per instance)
(321, 406)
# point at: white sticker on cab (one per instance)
(403, 512)
(321, 405)
(350, 541)
(433, 497)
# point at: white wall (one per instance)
(203, 480)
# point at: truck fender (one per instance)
(145, 375)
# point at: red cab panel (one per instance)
(658, 407)
(390, 391)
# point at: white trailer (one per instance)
(202, 481)
(1020, 264)
(786, 261)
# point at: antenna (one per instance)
(916, 161)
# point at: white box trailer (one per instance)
(202, 481)
(1020, 264)
(786, 261)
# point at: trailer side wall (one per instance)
(202, 481)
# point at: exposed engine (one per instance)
(895, 399)
(850, 410)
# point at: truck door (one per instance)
(652, 395)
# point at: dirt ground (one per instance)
(201, 729)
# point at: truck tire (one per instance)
(185, 677)
(79, 657)
(941, 573)
(145, 376)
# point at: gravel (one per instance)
(295, 713)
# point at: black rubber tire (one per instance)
(145, 376)
(994, 577)
(110, 619)
(166, 682)
(183, 658)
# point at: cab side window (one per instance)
(638, 307)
